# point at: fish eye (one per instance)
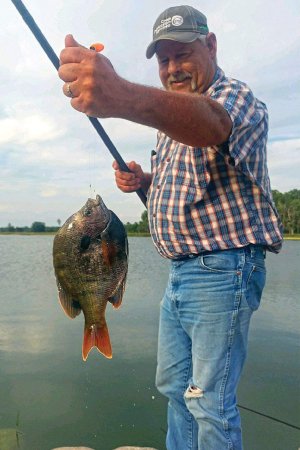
(87, 212)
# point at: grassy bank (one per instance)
(291, 237)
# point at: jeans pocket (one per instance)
(254, 287)
(219, 262)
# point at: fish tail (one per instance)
(96, 336)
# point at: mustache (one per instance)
(181, 76)
(178, 77)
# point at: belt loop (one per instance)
(253, 251)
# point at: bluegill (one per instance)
(90, 259)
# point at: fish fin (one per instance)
(116, 299)
(109, 251)
(70, 306)
(96, 336)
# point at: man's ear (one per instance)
(211, 42)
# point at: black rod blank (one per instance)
(28, 19)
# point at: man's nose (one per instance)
(173, 66)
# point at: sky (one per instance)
(51, 158)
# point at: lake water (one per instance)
(55, 399)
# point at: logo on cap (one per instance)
(177, 21)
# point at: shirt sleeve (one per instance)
(249, 118)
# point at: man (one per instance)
(210, 212)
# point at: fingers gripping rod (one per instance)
(28, 19)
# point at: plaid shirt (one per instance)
(219, 197)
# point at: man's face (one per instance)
(186, 67)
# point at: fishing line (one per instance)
(28, 19)
(269, 417)
(259, 414)
(92, 165)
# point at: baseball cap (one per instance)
(178, 23)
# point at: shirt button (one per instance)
(168, 159)
(158, 187)
(153, 215)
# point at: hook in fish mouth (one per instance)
(98, 204)
(98, 200)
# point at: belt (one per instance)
(188, 256)
(254, 249)
(251, 248)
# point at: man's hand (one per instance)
(90, 80)
(131, 182)
(98, 91)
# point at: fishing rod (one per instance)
(28, 19)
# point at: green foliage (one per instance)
(52, 229)
(38, 227)
(139, 227)
(288, 207)
(10, 227)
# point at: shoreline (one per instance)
(52, 233)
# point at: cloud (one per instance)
(284, 163)
(22, 130)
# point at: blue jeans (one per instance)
(204, 322)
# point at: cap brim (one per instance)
(175, 36)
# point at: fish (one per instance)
(90, 260)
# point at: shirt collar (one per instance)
(219, 74)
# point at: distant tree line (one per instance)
(141, 227)
(287, 204)
(36, 227)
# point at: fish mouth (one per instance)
(109, 221)
(91, 203)
(100, 203)
(98, 200)
(107, 213)
(101, 215)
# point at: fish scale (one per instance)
(90, 259)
